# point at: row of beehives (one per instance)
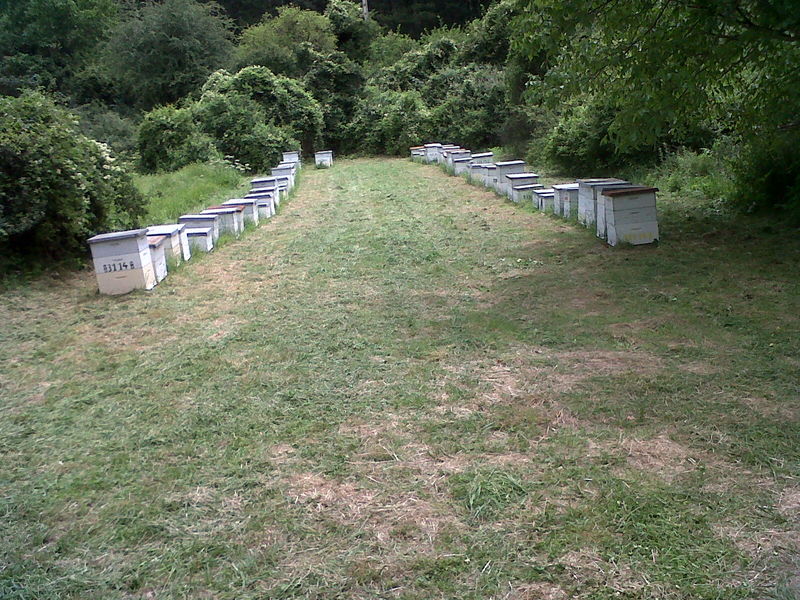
(618, 210)
(139, 258)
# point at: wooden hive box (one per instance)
(489, 172)
(202, 221)
(284, 170)
(522, 178)
(158, 255)
(631, 215)
(122, 262)
(432, 152)
(454, 155)
(600, 210)
(587, 197)
(503, 168)
(250, 208)
(543, 199)
(461, 165)
(201, 239)
(293, 156)
(177, 246)
(324, 158)
(523, 192)
(231, 218)
(565, 200)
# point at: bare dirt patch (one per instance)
(660, 456)
(536, 591)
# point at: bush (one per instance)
(389, 122)
(239, 128)
(57, 187)
(285, 102)
(170, 139)
(353, 34)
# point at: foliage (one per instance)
(388, 122)
(489, 37)
(390, 47)
(44, 42)
(411, 71)
(163, 51)
(415, 17)
(281, 42)
(57, 187)
(111, 127)
(285, 102)
(336, 82)
(353, 34)
(240, 129)
(170, 139)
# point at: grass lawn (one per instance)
(404, 387)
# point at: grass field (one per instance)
(404, 387)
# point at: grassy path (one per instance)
(402, 387)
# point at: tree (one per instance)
(162, 52)
(279, 42)
(354, 33)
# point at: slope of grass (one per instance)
(189, 189)
(403, 387)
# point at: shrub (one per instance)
(57, 187)
(353, 34)
(170, 139)
(239, 128)
(389, 122)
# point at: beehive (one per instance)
(587, 197)
(521, 193)
(513, 179)
(461, 165)
(285, 170)
(231, 218)
(122, 261)
(600, 209)
(201, 239)
(630, 215)
(177, 246)
(446, 148)
(482, 158)
(489, 172)
(565, 200)
(250, 208)
(454, 155)
(432, 152)
(158, 255)
(544, 199)
(503, 168)
(324, 158)
(293, 156)
(202, 222)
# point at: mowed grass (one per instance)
(188, 190)
(404, 387)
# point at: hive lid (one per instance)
(465, 159)
(566, 186)
(197, 217)
(166, 229)
(222, 210)
(262, 179)
(235, 201)
(155, 240)
(198, 231)
(433, 145)
(544, 192)
(483, 154)
(117, 235)
(529, 186)
(629, 190)
(510, 163)
(521, 175)
(600, 181)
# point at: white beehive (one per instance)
(446, 148)
(201, 239)
(502, 169)
(482, 158)
(250, 208)
(284, 170)
(630, 215)
(324, 158)
(177, 246)
(284, 185)
(512, 179)
(293, 156)
(587, 197)
(461, 165)
(158, 255)
(432, 152)
(454, 155)
(202, 222)
(417, 153)
(476, 172)
(489, 172)
(231, 218)
(565, 200)
(266, 208)
(524, 192)
(543, 199)
(122, 261)
(600, 209)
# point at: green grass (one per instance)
(189, 189)
(404, 387)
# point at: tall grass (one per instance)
(187, 190)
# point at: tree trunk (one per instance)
(365, 9)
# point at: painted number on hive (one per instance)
(118, 266)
